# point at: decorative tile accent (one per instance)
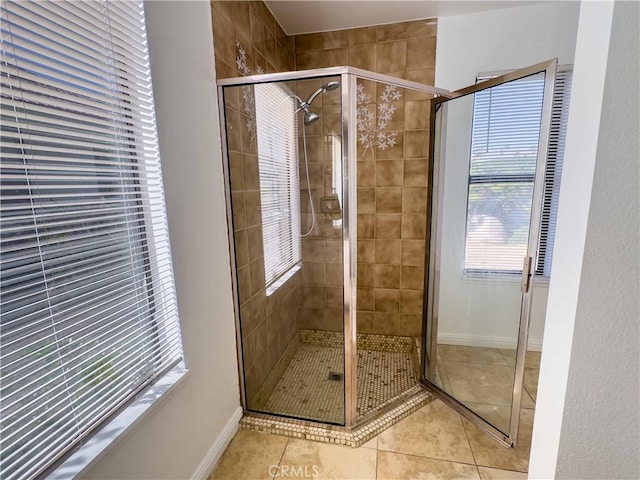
(300, 385)
(366, 428)
(371, 131)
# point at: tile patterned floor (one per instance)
(306, 389)
(432, 443)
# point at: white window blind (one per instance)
(88, 309)
(553, 173)
(277, 134)
(505, 135)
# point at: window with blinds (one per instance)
(277, 134)
(88, 309)
(504, 147)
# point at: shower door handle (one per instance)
(526, 274)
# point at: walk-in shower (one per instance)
(330, 214)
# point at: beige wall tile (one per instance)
(244, 284)
(421, 53)
(412, 278)
(363, 56)
(394, 152)
(392, 31)
(416, 144)
(365, 299)
(313, 251)
(386, 276)
(334, 274)
(416, 115)
(314, 274)
(413, 252)
(256, 271)
(366, 251)
(416, 173)
(364, 322)
(314, 297)
(366, 174)
(389, 173)
(422, 28)
(239, 217)
(414, 225)
(242, 251)
(387, 300)
(250, 173)
(335, 296)
(388, 225)
(389, 200)
(388, 251)
(365, 226)
(254, 243)
(366, 200)
(365, 275)
(411, 301)
(414, 200)
(358, 36)
(253, 210)
(235, 171)
(391, 57)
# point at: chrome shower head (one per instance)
(325, 88)
(310, 117)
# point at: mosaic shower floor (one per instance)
(312, 384)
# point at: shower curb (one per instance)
(367, 427)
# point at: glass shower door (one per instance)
(488, 152)
(284, 172)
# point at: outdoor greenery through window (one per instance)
(88, 310)
(504, 148)
(277, 135)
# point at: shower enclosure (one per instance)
(330, 206)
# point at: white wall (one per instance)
(587, 421)
(487, 312)
(174, 438)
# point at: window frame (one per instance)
(289, 268)
(559, 109)
(123, 404)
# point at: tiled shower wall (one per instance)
(268, 323)
(392, 179)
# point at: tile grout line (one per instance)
(466, 434)
(430, 458)
(281, 457)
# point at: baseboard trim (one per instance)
(217, 449)
(485, 341)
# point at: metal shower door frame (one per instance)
(348, 77)
(433, 250)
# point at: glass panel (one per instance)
(486, 146)
(284, 144)
(392, 143)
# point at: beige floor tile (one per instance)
(496, 474)
(482, 383)
(249, 456)
(459, 353)
(477, 383)
(498, 416)
(531, 359)
(395, 466)
(305, 459)
(373, 443)
(489, 453)
(531, 381)
(434, 431)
